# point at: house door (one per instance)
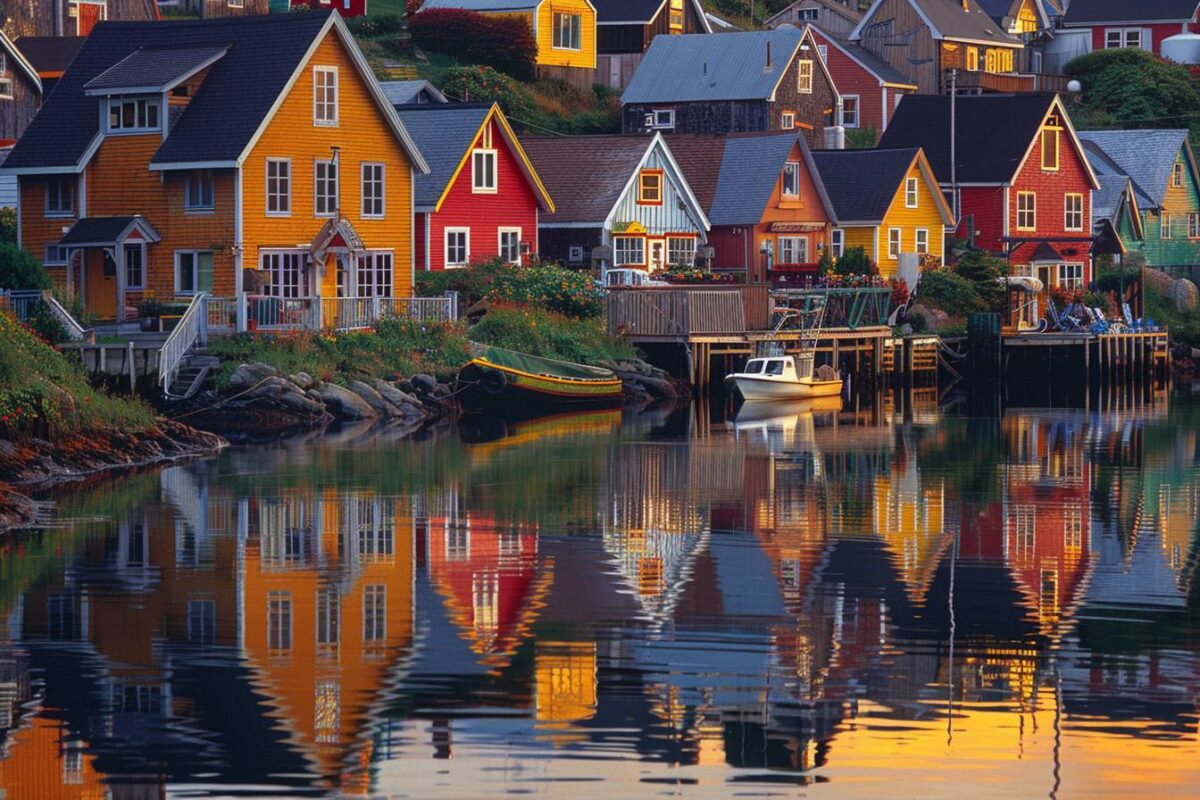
(87, 15)
(101, 283)
(657, 255)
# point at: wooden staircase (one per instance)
(191, 375)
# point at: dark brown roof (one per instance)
(699, 157)
(584, 174)
(50, 54)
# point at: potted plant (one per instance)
(149, 310)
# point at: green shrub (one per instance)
(8, 225)
(854, 261)
(500, 41)
(563, 291)
(472, 283)
(482, 84)
(374, 26)
(949, 292)
(551, 335)
(983, 271)
(20, 270)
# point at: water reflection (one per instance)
(797, 599)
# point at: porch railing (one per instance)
(283, 313)
(23, 303)
(190, 332)
(227, 315)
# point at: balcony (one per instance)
(1008, 82)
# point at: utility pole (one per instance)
(954, 143)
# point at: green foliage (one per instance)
(854, 261)
(472, 284)
(1129, 87)
(8, 225)
(950, 292)
(861, 138)
(19, 270)
(485, 84)
(46, 325)
(545, 333)
(983, 271)
(500, 41)
(375, 26)
(563, 291)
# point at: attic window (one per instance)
(650, 187)
(1177, 174)
(1050, 143)
(804, 73)
(676, 20)
(325, 96)
(133, 116)
(791, 180)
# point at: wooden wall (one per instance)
(54, 17)
(896, 33)
(222, 8)
(17, 112)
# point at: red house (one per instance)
(869, 87)
(1022, 181)
(1120, 23)
(347, 8)
(482, 197)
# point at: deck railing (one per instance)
(677, 312)
(23, 303)
(190, 332)
(226, 315)
(358, 313)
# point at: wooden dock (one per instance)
(1105, 358)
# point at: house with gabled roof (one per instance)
(870, 88)
(734, 83)
(770, 213)
(1161, 167)
(889, 203)
(625, 28)
(414, 92)
(1019, 180)
(1024, 19)
(1119, 23)
(1116, 207)
(626, 193)
(175, 159)
(73, 17)
(835, 16)
(49, 56)
(481, 197)
(20, 92)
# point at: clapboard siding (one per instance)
(17, 112)
(669, 217)
(898, 35)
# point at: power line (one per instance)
(524, 122)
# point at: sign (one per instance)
(796, 227)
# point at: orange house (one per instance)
(180, 159)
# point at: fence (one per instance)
(226, 315)
(23, 303)
(678, 312)
(357, 313)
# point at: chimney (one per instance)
(768, 65)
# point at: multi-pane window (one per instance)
(1070, 276)
(374, 612)
(1051, 134)
(286, 273)
(676, 16)
(1026, 211)
(629, 250)
(135, 266)
(328, 617)
(6, 82)
(133, 116)
(56, 254)
(850, 111)
(1194, 226)
(1073, 212)
(1164, 225)
(910, 193)
(458, 246)
(325, 188)
(681, 251)
(837, 242)
(804, 76)
(567, 31)
(483, 171)
(60, 197)
(791, 179)
(1177, 174)
(893, 242)
(325, 96)
(372, 190)
(508, 247)
(922, 241)
(201, 622)
(279, 622)
(279, 186)
(198, 190)
(1122, 37)
(787, 120)
(193, 271)
(1073, 528)
(793, 249)
(650, 187)
(375, 274)
(663, 119)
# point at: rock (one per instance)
(374, 399)
(246, 375)
(287, 395)
(396, 397)
(303, 380)
(424, 384)
(1185, 295)
(341, 402)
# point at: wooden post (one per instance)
(132, 371)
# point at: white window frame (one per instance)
(787, 120)
(1177, 174)
(691, 250)
(65, 192)
(195, 254)
(196, 177)
(141, 107)
(1072, 281)
(466, 259)
(272, 263)
(140, 249)
(662, 119)
(1193, 225)
(823, 51)
(500, 233)
(286, 196)
(1164, 226)
(1125, 37)
(921, 241)
(6, 82)
(1031, 211)
(857, 103)
(481, 156)
(792, 167)
(56, 255)
(1072, 217)
(912, 193)
(804, 76)
(573, 40)
(837, 242)
(322, 105)
(327, 197)
(895, 242)
(798, 245)
(620, 260)
(808, 14)
(373, 202)
(376, 273)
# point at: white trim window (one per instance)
(792, 249)
(568, 30)
(1070, 276)
(662, 119)
(375, 273)
(373, 190)
(6, 82)
(837, 242)
(279, 187)
(787, 120)
(286, 271)
(911, 193)
(790, 182)
(1073, 212)
(1026, 211)
(193, 271)
(1164, 225)
(60, 197)
(804, 76)
(133, 114)
(198, 190)
(483, 171)
(922, 241)
(893, 243)
(851, 117)
(1177, 174)
(629, 251)
(56, 256)
(458, 247)
(681, 251)
(508, 245)
(325, 188)
(1122, 37)
(135, 266)
(1193, 225)
(325, 97)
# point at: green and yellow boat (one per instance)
(498, 379)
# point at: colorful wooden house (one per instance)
(625, 28)
(626, 193)
(565, 32)
(1021, 184)
(21, 93)
(1117, 23)
(347, 8)
(870, 88)
(837, 17)
(1162, 168)
(72, 17)
(1024, 19)
(49, 56)
(889, 203)
(482, 197)
(177, 159)
(1116, 207)
(733, 83)
(770, 213)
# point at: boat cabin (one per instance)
(783, 366)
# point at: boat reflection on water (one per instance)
(806, 597)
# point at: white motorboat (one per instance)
(784, 377)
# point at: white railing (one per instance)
(227, 315)
(283, 313)
(221, 314)
(192, 330)
(75, 331)
(358, 313)
(349, 313)
(24, 303)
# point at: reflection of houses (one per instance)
(910, 518)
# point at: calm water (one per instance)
(885, 603)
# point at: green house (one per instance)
(1163, 190)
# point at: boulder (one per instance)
(406, 403)
(303, 380)
(423, 384)
(373, 398)
(287, 395)
(1185, 295)
(341, 402)
(247, 375)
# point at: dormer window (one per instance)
(133, 115)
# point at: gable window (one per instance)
(650, 187)
(193, 271)
(198, 190)
(325, 96)
(1177, 174)
(1073, 212)
(808, 14)
(60, 197)
(483, 171)
(787, 120)
(508, 246)
(792, 249)
(973, 59)
(676, 20)
(893, 243)
(279, 187)
(325, 188)
(910, 193)
(132, 115)
(375, 274)
(372, 191)
(662, 119)
(1122, 37)
(135, 266)
(791, 180)
(681, 251)
(837, 242)
(1164, 226)
(1026, 211)
(850, 111)
(922, 241)
(1194, 226)
(629, 251)
(567, 31)
(804, 74)
(458, 247)
(6, 83)
(1050, 140)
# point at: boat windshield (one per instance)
(754, 366)
(775, 366)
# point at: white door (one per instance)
(657, 254)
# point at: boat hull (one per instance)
(758, 387)
(481, 387)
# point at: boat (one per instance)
(783, 377)
(497, 378)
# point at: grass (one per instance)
(543, 333)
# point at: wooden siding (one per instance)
(364, 136)
(585, 57)
(56, 17)
(617, 69)
(897, 34)
(813, 109)
(876, 104)
(38, 230)
(666, 217)
(1179, 250)
(984, 205)
(926, 215)
(839, 24)
(17, 112)
(1154, 33)
(222, 8)
(862, 236)
(807, 210)
(556, 243)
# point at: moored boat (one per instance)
(783, 377)
(497, 378)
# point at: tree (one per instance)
(19, 270)
(1131, 88)
(984, 272)
(503, 42)
(854, 261)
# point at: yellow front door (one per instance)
(101, 284)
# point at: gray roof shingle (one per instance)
(1147, 156)
(1089, 12)
(153, 68)
(97, 230)
(863, 183)
(443, 132)
(584, 174)
(402, 93)
(749, 171)
(952, 22)
(702, 67)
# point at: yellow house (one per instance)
(888, 203)
(565, 32)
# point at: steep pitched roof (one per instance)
(847, 13)
(1106, 169)
(238, 96)
(107, 230)
(700, 156)
(699, 67)
(863, 183)
(638, 12)
(947, 19)
(1147, 156)
(20, 60)
(1091, 12)
(867, 60)
(401, 93)
(445, 132)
